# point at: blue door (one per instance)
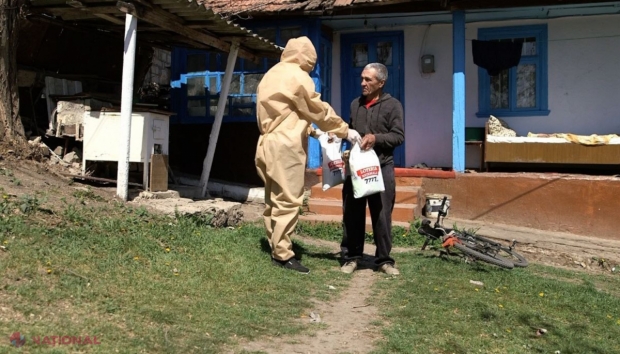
(360, 49)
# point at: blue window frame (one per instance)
(199, 75)
(521, 90)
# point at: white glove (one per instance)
(318, 132)
(353, 136)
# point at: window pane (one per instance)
(526, 86)
(197, 108)
(196, 86)
(529, 46)
(251, 82)
(235, 84)
(213, 85)
(196, 62)
(384, 53)
(288, 33)
(242, 106)
(499, 90)
(360, 55)
(213, 107)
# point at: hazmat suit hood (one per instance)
(300, 51)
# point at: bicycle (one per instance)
(474, 246)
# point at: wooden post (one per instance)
(219, 116)
(129, 61)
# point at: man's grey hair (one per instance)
(382, 73)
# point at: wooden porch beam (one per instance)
(60, 11)
(219, 116)
(170, 22)
(80, 6)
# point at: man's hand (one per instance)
(368, 142)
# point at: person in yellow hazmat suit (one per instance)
(287, 105)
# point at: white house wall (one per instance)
(583, 84)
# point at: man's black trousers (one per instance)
(354, 210)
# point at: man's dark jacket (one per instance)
(384, 119)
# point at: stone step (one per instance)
(402, 212)
(313, 218)
(404, 194)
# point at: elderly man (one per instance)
(379, 119)
(287, 104)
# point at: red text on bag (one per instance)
(368, 172)
(335, 165)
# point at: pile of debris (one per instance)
(214, 212)
(71, 161)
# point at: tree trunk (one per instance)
(11, 128)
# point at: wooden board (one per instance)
(159, 173)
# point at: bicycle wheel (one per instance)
(473, 252)
(504, 252)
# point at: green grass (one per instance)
(401, 237)
(433, 308)
(146, 283)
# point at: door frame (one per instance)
(345, 57)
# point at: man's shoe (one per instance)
(291, 264)
(389, 269)
(349, 267)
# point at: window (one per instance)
(200, 75)
(520, 90)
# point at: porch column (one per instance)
(458, 91)
(219, 116)
(129, 60)
(314, 147)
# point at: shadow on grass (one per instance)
(301, 251)
(367, 261)
(457, 259)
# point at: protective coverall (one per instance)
(287, 104)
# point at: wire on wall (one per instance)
(422, 45)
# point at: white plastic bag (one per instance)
(365, 172)
(333, 166)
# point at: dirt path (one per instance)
(346, 323)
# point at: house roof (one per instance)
(162, 23)
(236, 7)
(260, 8)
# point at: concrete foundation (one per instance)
(577, 204)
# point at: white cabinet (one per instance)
(102, 137)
